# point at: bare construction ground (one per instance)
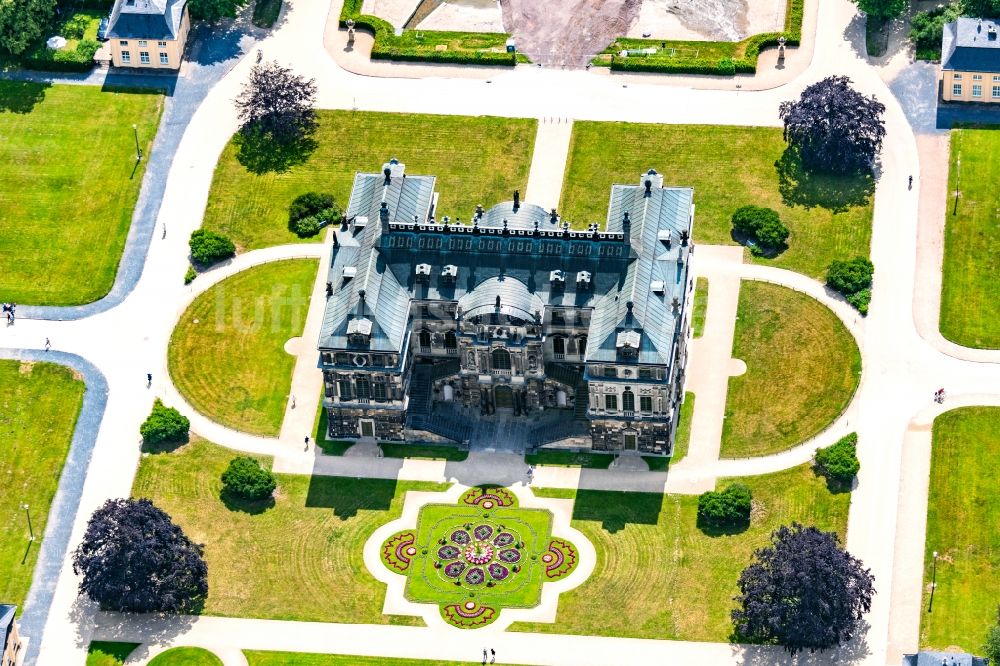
(567, 33)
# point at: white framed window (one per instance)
(122, 42)
(957, 77)
(126, 57)
(977, 77)
(143, 43)
(977, 90)
(996, 92)
(144, 57)
(164, 58)
(162, 44)
(996, 78)
(956, 89)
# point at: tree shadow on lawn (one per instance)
(21, 96)
(615, 509)
(747, 241)
(713, 530)
(747, 654)
(347, 496)
(260, 153)
(234, 502)
(164, 447)
(833, 485)
(801, 187)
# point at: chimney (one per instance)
(553, 216)
(388, 175)
(517, 200)
(626, 224)
(383, 217)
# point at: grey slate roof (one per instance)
(146, 19)
(971, 45)
(7, 613)
(928, 658)
(515, 264)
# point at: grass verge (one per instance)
(970, 295)
(186, 656)
(109, 653)
(303, 659)
(803, 368)
(40, 405)
(829, 216)
(250, 315)
(67, 196)
(700, 307)
(298, 559)
(963, 526)
(665, 578)
(252, 208)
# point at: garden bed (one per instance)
(80, 31)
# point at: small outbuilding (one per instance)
(970, 61)
(148, 33)
(10, 640)
(928, 658)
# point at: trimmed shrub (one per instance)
(245, 478)
(851, 276)
(839, 461)
(991, 648)
(190, 275)
(727, 507)
(164, 425)
(860, 300)
(308, 204)
(761, 223)
(208, 247)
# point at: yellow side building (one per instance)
(148, 33)
(970, 61)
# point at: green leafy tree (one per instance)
(991, 649)
(22, 22)
(839, 461)
(245, 478)
(851, 276)
(927, 28)
(309, 212)
(208, 247)
(164, 424)
(883, 9)
(764, 224)
(981, 8)
(213, 10)
(727, 507)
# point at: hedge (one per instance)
(388, 46)
(746, 64)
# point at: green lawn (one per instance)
(67, 189)
(253, 209)
(556, 458)
(300, 559)
(108, 653)
(302, 659)
(185, 656)
(803, 368)
(39, 405)
(250, 315)
(660, 576)
(728, 167)
(970, 296)
(700, 307)
(963, 526)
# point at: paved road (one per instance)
(902, 368)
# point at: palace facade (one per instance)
(432, 323)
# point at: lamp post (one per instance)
(138, 150)
(31, 531)
(930, 606)
(958, 177)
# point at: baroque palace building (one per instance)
(434, 325)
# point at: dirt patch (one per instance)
(25, 368)
(567, 33)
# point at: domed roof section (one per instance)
(524, 217)
(503, 295)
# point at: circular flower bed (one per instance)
(483, 532)
(448, 552)
(503, 540)
(478, 552)
(498, 571)
(510, 556)
(454, 569)
(475, 576)
(461, 537)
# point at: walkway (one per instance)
(549, 162)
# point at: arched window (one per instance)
(628, 400)
(582, 343)
(363, 387)
(501, 359)
(450, 340)
(559, 346)
(425, 339)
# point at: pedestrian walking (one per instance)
(493, 656)
(48, 345)
(307, 443)
(149, 379)
(293, 401)
(484, 656)
(164, 229)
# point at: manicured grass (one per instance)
(803, 368)
(266, 12)
(39, 405)
(424, 451)
(700, 307)
(728, 167)
(253, 209)
(659, 576)
(521, 589)
(556, 458)
(108, 653)
(682, 439)
(186, 656)
(67, 189)
(303, 659)
(250, 315)
(963, 526)
(970, 296)
(300, 559)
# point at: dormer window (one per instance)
(449, 274)
(423, 272)
(627, 344)
(557, 278)
(359, 331)
(583, 280)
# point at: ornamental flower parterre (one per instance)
(479, 552)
